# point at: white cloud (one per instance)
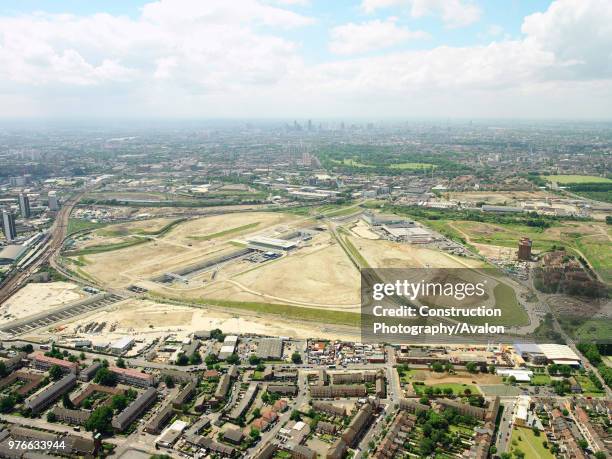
(232, 59)
(359, 38)
(454, 13)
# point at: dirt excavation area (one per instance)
(318, 274)
(387, 254)
(144, 319)
(35, 298)
(187, 243)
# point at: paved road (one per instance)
(505, 427)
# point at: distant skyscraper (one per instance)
(53, 201)
(310, 125)
(24, 205)
(8, 226)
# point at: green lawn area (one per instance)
(352, 319)
(563, 179)
(108, 247)
(593, 330)
(512, 312)
(342, 211)
(76, 224)
(597, 251)
(408, 375)
(529, 444)
(540, 380)
(226, 232)
(412, 166)
(458, 389)
(587, 385)
(351, 162)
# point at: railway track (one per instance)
(54, 244)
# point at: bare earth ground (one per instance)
(178, 248)
(362, 230)
(35, 298)
(387, 254)
(319, 275)
(148, 319)
(461, 377)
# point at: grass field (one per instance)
(588, 238)
(526, 441)
(352, 319)
(458, 389)
(351, 162)
(412, 166)
(130, 242)
(512, 312)
(75, 224)
(593, 330)
(540, 380)
(563, 179)
(588, 388)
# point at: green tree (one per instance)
(67, 402)
(296, 358)
(169, 381)
(55, 372)
(254, 360)
(182, 360)
(120, 363)
(7, 404)
(195, 358)
(119, 402)
(471, 367)
(210, 360)
(100, 420)
(3, 370)
(51, 417)
(233, 359)
(105, 377)
(295, 415)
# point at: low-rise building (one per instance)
(133, 377)
(42, 400)
(135, 409)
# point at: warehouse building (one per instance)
(11, 253)
(122, 345)
(229, 347)
(265, 243)
(270, 348)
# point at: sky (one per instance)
(370, 59)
